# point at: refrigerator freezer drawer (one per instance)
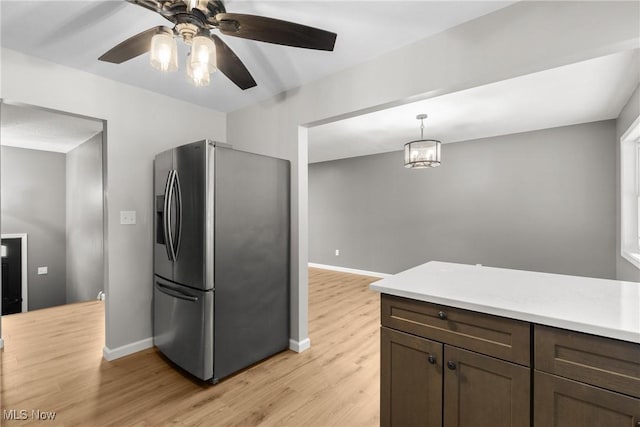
(183, 326)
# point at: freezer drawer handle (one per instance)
(174, 293)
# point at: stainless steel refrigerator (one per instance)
(221, 258)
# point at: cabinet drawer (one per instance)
(604, 362)
(491, 335)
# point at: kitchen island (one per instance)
(472, 345)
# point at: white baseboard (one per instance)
(349, 270)
(125, 350)
(299, 346)
(1, 343)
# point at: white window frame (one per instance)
(630, 194)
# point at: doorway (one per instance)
(53, 174)
(15, 297)
(11, 276)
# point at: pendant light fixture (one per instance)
(422, 153)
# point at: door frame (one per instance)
(23, 266)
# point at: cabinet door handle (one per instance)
(451, 365)
(442, 315)
(432, 359)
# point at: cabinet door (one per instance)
(565, 403)
(484, 391)
(411, 380)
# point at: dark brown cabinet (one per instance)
(565, 403)
(411, 380)
(432, 382)
(584, 380)
(484, 391)
(449, 367)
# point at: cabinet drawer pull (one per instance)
(442, 315)
(451, 365)
(432, 359)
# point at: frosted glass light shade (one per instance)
(164, 52)
(198, 75)
(203, 53)
(424, 153)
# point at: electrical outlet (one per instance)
(337, 252)
(127, 217)
(43, 270)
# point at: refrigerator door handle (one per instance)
(166, 214)
(175, 293)
(178, 194)
(169, 202)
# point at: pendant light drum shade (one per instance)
(423, 153)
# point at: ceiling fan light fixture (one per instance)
(203, 53)
(198, 75)
(422, 153)
(164, 52)
(193, 19)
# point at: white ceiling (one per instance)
(76, 33)
(39, 129)
(578, 93)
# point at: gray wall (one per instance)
(85, 264)
(140, 124)
(33, 202)
(523, 38)
(542, 201)
(624, 269)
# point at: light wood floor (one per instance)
(52, 361)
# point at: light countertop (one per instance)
(609, 308)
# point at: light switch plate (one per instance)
(43, 270)
(127, 217)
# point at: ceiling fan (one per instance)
(194, 21)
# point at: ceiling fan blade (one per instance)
(152, 5)
(275, 31)
(167, 12)
(231, 66)
(133, 46)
